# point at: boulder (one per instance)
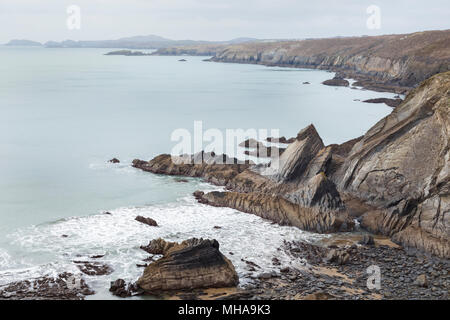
(64, 286)
(421, 281)
(194, 263)
(114, 160)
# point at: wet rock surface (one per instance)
(65, 286)
(336, 82)
(404, 275)
(191, 264)
(147, 221)
(114, 160)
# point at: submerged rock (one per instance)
(194, 263)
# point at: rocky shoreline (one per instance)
(390, 63)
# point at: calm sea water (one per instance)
(65, 112)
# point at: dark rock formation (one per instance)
(114, 160)
(280, 210)
(93, 268)
(122, 289)
(336, 82)
(367, 240)
(194, 263)
(281, 140)
(203, 165)
(401, 168)
(146, 220)
(393, 103)
(65, 286)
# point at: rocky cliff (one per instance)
(386, 63)
(401, 168)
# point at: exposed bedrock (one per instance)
(401, 167)
(194, 263)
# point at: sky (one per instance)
(44, 20)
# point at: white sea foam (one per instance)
(4, 258)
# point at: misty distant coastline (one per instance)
(136, 42)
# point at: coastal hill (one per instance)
(23, 42)
(140, 42)
(382, 63)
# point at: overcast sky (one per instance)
(44, 20)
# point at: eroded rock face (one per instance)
(194, 263)
(295, 160)
(280, 210)
(401, 167)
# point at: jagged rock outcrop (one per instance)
(292, 190)
(194, 263)
(401, 167)
(314, 207)
(209, 166)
